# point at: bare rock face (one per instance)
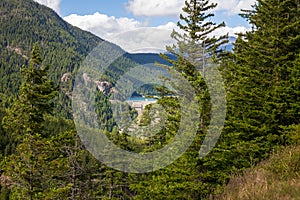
(86, 77)
(66, 84)
(104, 86)
(18, 51)
(66, 77)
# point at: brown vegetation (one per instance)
(277, 178)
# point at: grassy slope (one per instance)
(276, 178)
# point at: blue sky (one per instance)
(111, 8)
(140, 24)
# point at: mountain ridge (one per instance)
(64, 47)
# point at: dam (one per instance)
(139, 103)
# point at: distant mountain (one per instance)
(147, 58)
(232, 39)
(64, 47)
(22, 23)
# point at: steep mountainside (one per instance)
(22, 23)
(64, 47)
(146, 58)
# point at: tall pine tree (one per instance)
(26, 116)
(195, 49)
(24, 121)
(262, 91)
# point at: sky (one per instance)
(142, 25)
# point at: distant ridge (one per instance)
(148, 58)
(64, 47)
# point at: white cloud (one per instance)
(132, 35)
(232, 31)
(174, 7)
(128, 33)
(233, 6)
(102, 25)
(146, 39)
(53, 4)
(155, 7)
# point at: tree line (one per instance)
(46, 159)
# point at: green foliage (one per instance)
(197, 25)
(189, 176)
(262, 94)
(263, 100)
(179, 180)
(275, 178)
(23, 23)
(36, 93)
(24, 121)
(43, 158)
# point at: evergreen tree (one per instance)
(194, 50)
(72, 171)
(262, 93)
(197, 26)
(25, 122)
(26, 116)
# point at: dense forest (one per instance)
(43, 156)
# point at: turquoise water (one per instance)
(141, 99)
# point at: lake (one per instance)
(136, 99)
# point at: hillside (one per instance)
(146, 58)
(276, 178)
(42, 153)
(22, 23)
(64, 47)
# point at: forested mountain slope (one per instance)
(41, 156)
(64, 47)
(22, 23)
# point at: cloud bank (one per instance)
(132, 35)
(233, 7)
(102, 25)
(173, 7)
(155, 7)
(53, 4)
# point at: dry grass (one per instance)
(275, 179)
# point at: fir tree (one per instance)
(25, 121)
(261, 92)
(195, 23)
(26, 116)
(195, 49)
